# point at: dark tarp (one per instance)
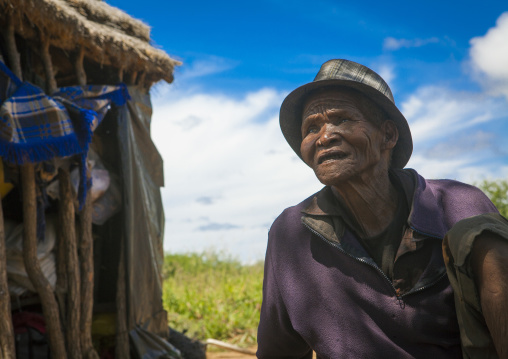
(142, 176)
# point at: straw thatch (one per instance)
(107, 35)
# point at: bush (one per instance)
(209, 295)
(497, 191)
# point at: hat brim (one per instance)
(290, 116)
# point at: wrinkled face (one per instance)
(339, 143)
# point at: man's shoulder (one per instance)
(457, 190)
(293, 214)
(456, 200)
(297, 208)
(443, 186)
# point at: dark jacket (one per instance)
(323, 292)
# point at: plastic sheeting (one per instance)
(151, 346)
(19, 282)
(142, 176)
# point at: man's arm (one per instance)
(475, 252)
(277, 338)
(489, 263)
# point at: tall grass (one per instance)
(211, 295)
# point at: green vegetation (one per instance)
(210, 295)
(497, 191)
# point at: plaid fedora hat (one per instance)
(345, 73)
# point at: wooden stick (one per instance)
(12, 51)
(79, 68)
(48, 65)
(120, 74)
(61, 267)
(87, 278)
(141, 79)
(72, 264)
(122, 337)
(132, 78)
(33, 268)
(7, 349)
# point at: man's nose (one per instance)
(328, 135)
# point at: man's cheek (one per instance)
(306, 151)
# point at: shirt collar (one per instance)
(425, 215)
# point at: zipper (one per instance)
(412, 291)
(335, 245)
(398, 297)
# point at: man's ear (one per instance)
(390, 134)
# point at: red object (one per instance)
(23, 320)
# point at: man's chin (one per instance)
(334, 179)
(333, 172)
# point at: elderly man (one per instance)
(357, 270)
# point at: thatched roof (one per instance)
(109, 36)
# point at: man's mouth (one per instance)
(332, 156)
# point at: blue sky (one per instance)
(228, 170)
(280, 43)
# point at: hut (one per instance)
(81, 221)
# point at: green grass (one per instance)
(210, 295)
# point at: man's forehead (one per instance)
(333, 98)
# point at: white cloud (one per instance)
(475, 141)
(435, 113)
(229, 171)
(208, 66)
(461, 168)
(453, 135)
(392, 44)
(189, 76)
(489, 57)
(229, 174)
(388, 74)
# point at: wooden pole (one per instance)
(141, 79)
(87, 278)
(79, 68)
(120, 74)
(72, 265)
(48, 65)
(132, 78)
(61, 269)
(122, 337)
(85, 249)
(68, 232)
(12, 50)
(33, 268)
(7, 349)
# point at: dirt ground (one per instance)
(227, 354)
(234, 355)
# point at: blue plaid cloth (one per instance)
(35, 127)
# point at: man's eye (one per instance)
(312, 129)
(342, 120)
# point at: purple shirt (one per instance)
(325, 294)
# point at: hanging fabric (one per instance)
(35, 127)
